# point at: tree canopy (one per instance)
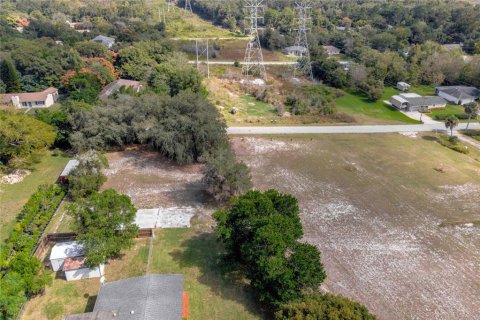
(260, 231)
(323, 307)
(104, 223)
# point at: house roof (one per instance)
(149, 297)
(63, 250)
(104, 40)
(451, 46)
(460, 92)
(426, 101)
(95, 315)
(401, 83)
(117, 84)
(295, 48)
(71, 165)
(331, 48)
(29, 96)
(416, 100)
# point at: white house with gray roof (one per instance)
(149, 297)
(458, 94)
(414, 102)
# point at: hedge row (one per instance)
(31, 222)
(461, 116)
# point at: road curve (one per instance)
(344, 129)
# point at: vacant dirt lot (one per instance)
(152, 181)
(397, 218)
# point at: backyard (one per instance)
(396, 217)
(14, 196)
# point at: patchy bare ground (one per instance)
(395, 233)
(152, 181)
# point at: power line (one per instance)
(253, 61)
(303, 7)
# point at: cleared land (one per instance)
(397, 218)
(14, 196)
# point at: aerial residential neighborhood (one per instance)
(239, 159)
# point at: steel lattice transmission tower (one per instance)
(253, 61)
(188, 7)
(171, 5)
(304, 65)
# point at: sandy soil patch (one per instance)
(394, 233)
(15, 177)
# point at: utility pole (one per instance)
(201, 51)
(188, 7)
(304, 65)
(171, 5)
(161, 15)
(253, 61)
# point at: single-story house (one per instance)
(403, 86)
(331, 50)
(414, 102)
(153, 296)
(297, 51)
(71, 165)
(75, 269)
(64, 250)
(458, 94)
(106, 41)
(340, 28)
(43, 99)
(116, 85)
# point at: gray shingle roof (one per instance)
(150, 297)
(426, 101)
(461, 92)
(106, 41)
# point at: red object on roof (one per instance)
(185, 305)
(73, 263)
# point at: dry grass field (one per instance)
(397, 218)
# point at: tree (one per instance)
(323, 306)
(87, 177)
(83, 87)
(105, 224)
(21, 136)
(9, 76)
(91, 49)
(450, 123)
(260, 231)
(12, 295)
(471, 109)
(224, 176)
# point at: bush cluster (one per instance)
(21, 274)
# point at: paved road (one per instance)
(266, 63)
(344, 129)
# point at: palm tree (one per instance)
(450, 123)
(471, 109)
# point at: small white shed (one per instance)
(64, 250)
(75, 269)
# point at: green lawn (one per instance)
(377, 112)
(195, 255)
(450, 109)
(14, 196)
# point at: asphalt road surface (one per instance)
(344, 129)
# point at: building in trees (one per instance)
(458, 94)
(331, 50)
(43, 99)
(104, 40)
(119, 85)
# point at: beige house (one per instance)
(43, 99)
